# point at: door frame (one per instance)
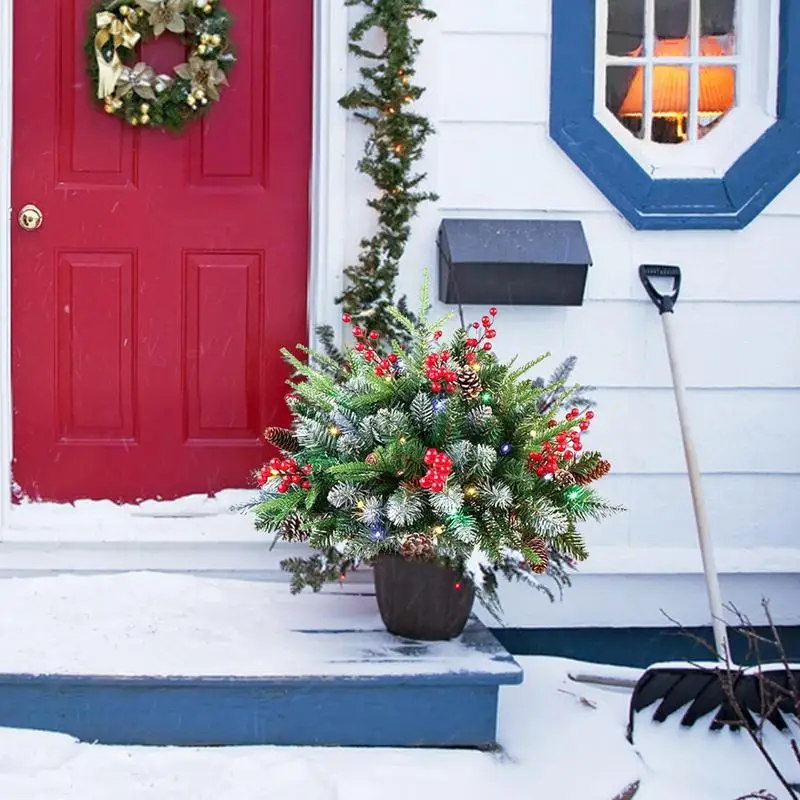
(326, 200)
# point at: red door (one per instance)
(148, 309)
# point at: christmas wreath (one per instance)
(131, 89)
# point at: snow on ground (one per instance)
(560, 739)
(555, 746)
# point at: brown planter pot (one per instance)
(420, 599)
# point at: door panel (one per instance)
(148, 309)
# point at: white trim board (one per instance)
(326, 217)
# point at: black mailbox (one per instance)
(512, 262)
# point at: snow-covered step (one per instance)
(157, 659)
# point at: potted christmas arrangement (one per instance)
(431, 461)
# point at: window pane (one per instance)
(625, 95)
(670, 104)
(625, 27)
(717, 18)
(717, 97)
(672, 19)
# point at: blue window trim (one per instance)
(726, 203)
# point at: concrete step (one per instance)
(187, 671)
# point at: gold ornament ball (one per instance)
(124, 10)
(201, 48)
(144, 107)
(216, 39)
(117, 104)
(207, 9)
(145, 119)
(109, 109)
(199, 93)
(134, 121)
(438, 530)
(140, 12)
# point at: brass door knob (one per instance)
(30, 217)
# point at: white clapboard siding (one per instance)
(748, 266)
(498, 16)
(621, 343)
(523, 99)
(742, 430)
(743, 511)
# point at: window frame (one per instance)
(756, 98)
(727, 192)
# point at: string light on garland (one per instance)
(333, 431)
(505, 449)
(439, 405)
(377, 531)
(470, 490)
(485, 397)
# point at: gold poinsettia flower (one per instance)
(165, 15)
(139, 79)
(203, 73)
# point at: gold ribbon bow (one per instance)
(111, 29)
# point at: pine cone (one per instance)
(283, 439)
(469, 382)
(417, 545)
(539, 546)
(372, 458)
(564, 478)
(292, 529)
(603, 468)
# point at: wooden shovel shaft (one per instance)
(706, 550)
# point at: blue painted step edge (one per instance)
(447, 709)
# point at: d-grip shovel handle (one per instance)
(665, 303)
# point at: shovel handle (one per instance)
(665, 303)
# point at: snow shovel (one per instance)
(699, 688)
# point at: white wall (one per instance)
(486, 66)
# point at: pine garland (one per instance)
(383, 102)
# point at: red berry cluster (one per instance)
(363, 345)
(481, 341)
(440, 465)
(384, 366)
(561, 449)
(292, 475)
(442, 378)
